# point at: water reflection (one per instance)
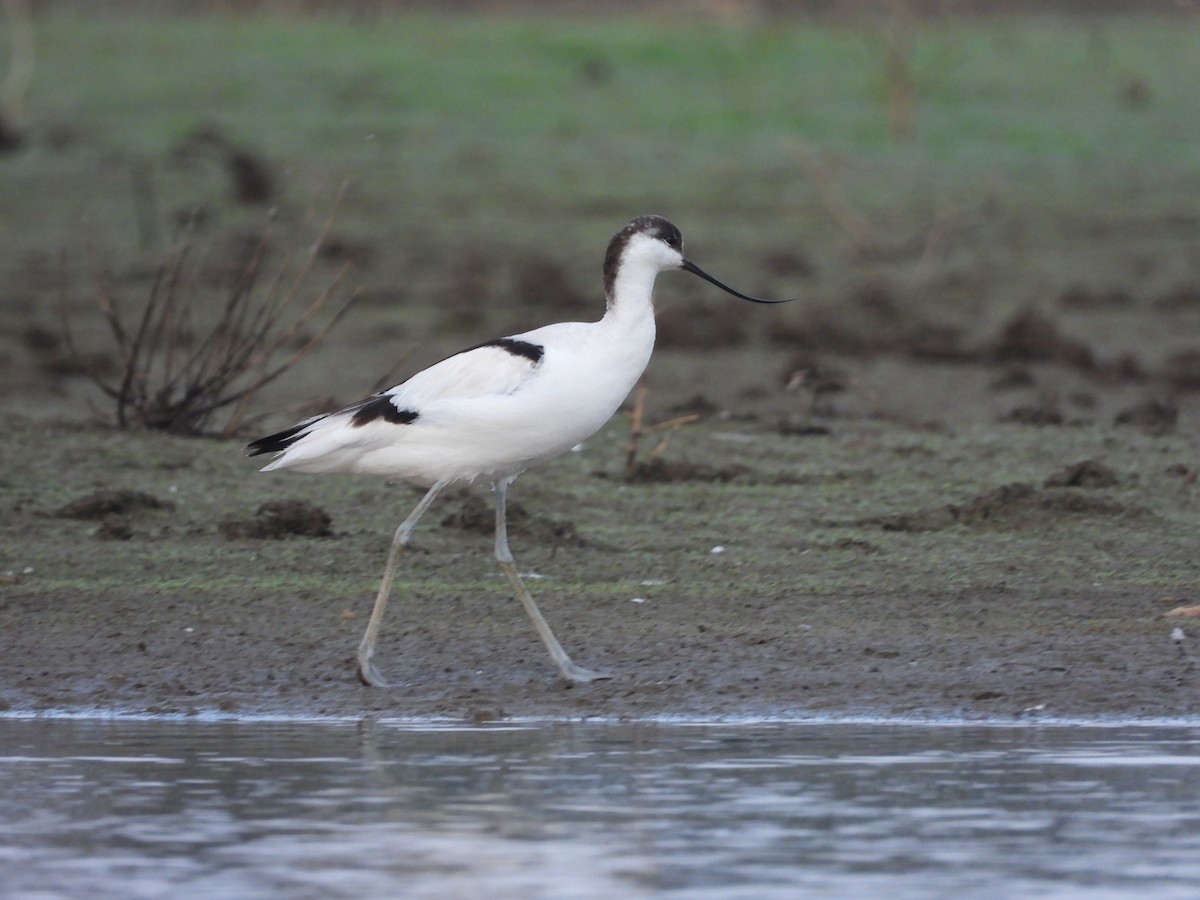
(149, 809)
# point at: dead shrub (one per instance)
(194, 349)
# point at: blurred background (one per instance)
(990, 210)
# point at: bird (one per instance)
(495, 409)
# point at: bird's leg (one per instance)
(367, 673)
(569, 669)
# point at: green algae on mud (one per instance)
(751, 597)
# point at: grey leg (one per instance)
(367, 673)
(569, 669)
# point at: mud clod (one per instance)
(1022, 505)
(661, 471)
(1182, 370)
(280, 519)
(1086, 474)
(115, 528)
(105, 503)
(1153, 417)
(1031, 336)
(1017, 505)
(477, 516)
(1045, 413)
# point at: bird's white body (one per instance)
(490, 412)
(487, 412)
(496, 409)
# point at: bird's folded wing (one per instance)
(499, 367)
(335, 441)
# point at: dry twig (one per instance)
(176, 372)
(637, 430)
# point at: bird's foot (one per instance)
(369, 675)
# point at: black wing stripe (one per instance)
(382, 407)
(532, 352)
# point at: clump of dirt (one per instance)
(338, 248)
(1152, 416)
(279, 519)
(1182, 370)
(658, 470)
(1087, 473)
(11, 138)
(1031, 336)
(815, 384)
(473, 514)
(801, 426)
(1016, 505)
(1045, 412)
(104, 503)
(250, 176)
(113, 509)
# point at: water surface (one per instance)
(118, 808)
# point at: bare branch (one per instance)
(180, 363)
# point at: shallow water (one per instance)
(117, 808)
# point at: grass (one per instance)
(588, 118)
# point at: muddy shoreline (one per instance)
(701, 596)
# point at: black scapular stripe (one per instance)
(382, 407)
(532, 352)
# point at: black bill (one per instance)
(689, 266)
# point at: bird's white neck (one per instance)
(630, 296)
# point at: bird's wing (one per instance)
(495, 368)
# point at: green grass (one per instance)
(578, 120)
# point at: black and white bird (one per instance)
(496, 409)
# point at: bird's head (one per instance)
(654, 242)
